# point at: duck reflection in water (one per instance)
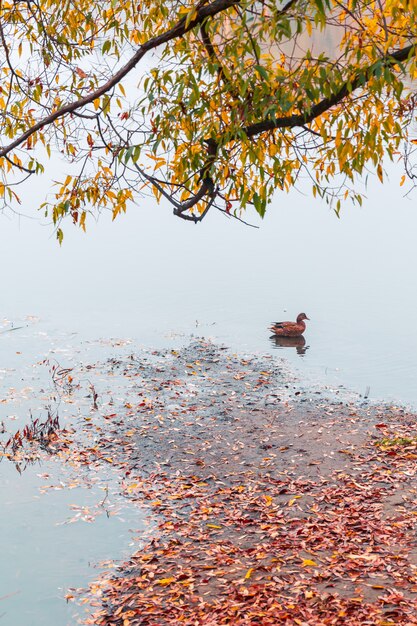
(299, 343)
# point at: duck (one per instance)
(290, 329)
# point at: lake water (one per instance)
(157, 280)
(57, 523)
(148, 275)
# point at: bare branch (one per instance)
(195, 218)
(180, 208)
(157, 186)
(236, 217)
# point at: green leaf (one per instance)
(262, 71)
(128, 153)
(106, 46)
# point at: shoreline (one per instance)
(267, 502)
(270, 506)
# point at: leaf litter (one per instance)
(268, 503)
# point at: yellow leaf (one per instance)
(249, 573)
(225, 117)
(380, 173)
(190, 17)
(165, 581)
(82, 220)
(402, 180)
(213, 526)
(308, 563)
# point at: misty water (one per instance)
(157, 281)
(148, 275)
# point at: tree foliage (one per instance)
(215, 103)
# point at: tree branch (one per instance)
(20, 167)
(180, 29)
(212, 53)
(286, 8)
(157, 186)
(292, 121)
(359, 80)
(195, 218)
(180, 208)
(203, 12)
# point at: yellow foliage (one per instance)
(271, 110)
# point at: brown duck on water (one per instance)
(290, 329)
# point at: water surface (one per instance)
(148, 275)
(58, 522)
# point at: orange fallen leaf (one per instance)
(165, 581)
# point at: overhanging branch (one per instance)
(204, 12)
(180, 208)
(358, 80)
(181, 28)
